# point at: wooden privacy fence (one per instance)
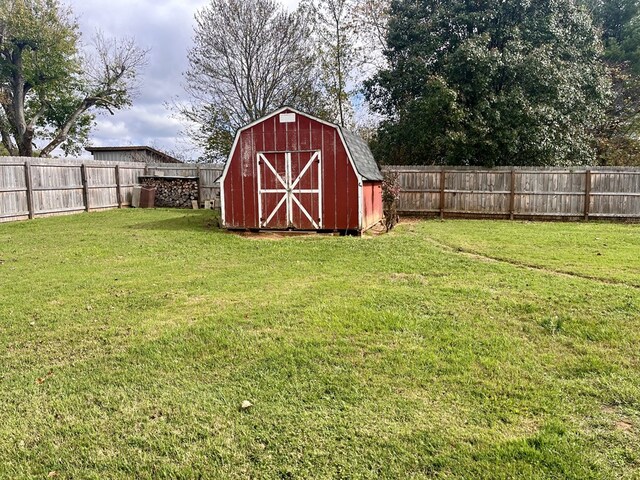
(519, 192)
(31, 187)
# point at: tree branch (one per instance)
(63, 132)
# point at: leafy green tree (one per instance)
(619, 22)
(49, 89)
(496, 82)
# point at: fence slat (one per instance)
(27, 181)
(442, 192)
(587, 193)
(118, 187)
(512, 194)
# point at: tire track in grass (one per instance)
(529, 266)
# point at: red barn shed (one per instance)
(290, 170)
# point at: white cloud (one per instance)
(166, 28)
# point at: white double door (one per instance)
(290, 190)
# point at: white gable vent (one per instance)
(287, 117)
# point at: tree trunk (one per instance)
(23, 135)
(339, 71)
(25, 147)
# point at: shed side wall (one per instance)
(372, 196)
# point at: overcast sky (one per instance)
(166, 28)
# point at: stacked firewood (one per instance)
(173, 192)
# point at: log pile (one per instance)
(173, 192)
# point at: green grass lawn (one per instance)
(456, 349)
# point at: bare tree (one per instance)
(339, 52)
(350, 37)
(249, 57)
(108, 81)
(371, 18)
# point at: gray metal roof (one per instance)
(362, 156)
(164, 157)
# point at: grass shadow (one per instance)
(185, 220)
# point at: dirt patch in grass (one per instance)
(276, 235)
(409, 278)
(624, 426)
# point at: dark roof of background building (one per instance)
(136, 148)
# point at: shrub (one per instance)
(390, 196)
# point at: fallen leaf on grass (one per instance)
(41, 380)
(52, 474)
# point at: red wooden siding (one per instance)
(338, 179)
(372, 196)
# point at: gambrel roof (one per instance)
(361, 155)
(357, 149)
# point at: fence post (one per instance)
(28, 184)
(512, 194)
(587, 193)
(118, 187)
(442, 178)
(198, 173)
(85, 192)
